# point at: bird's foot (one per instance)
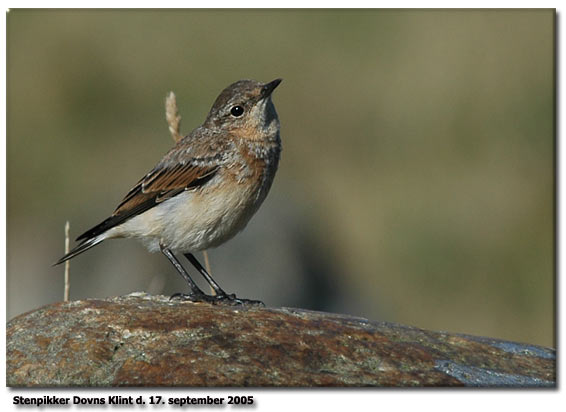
(232, 300)
(193, 297)
(221, 299)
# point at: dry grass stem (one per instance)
(67, 263)
(173, 117)
(207, 266)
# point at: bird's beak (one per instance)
(268, 88)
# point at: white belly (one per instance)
(193, 221)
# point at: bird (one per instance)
(205, 189)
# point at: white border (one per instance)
(321, 399)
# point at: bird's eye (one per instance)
(237, 111)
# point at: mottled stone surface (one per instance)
(143, 340)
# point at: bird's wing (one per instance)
(166, 180)
(163, 183)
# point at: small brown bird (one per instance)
(206, 188)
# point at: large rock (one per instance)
(151, 340)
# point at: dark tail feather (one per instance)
(99, 229)
(77, 250)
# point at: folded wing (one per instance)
(162, 183)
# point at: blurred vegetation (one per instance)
(417, 177)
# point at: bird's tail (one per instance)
(80, 248)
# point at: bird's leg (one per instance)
(217, 289)
(220, 294)
(196, 293)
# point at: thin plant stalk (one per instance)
(67, 263)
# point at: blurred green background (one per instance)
(416, 183)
